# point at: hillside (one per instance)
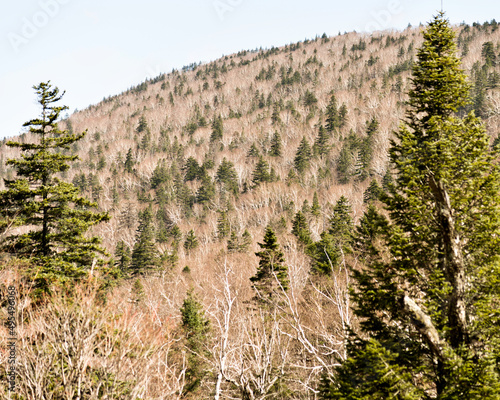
(213, 148)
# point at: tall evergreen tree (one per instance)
(321, 146)
(191, 241)
(428, 295)
(272, 271)
(144, 254)
(276, 145)
(332, 115)
(217, 129)
(261, 172)
(302, 156)
(226, 174)
(55, 215)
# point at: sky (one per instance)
(96, 48)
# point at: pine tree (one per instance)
(217, 129)
(300, 228)
(254, 151)
(272, 271)
(276, 145)
(144, 254)
(123, 256)
(227, 175)
(55, 215)
(332, 115)
(129, 161)
(191, 169)
(302, 156)
(321, 146)
(428, 295)
(143, 125)
(196, 329)
(191, 241)
(223, 226)
(261, 172)
(315, 208)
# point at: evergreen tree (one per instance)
(223, 226)
(276, 145)
(123, 256)
(129, 161)
(143, 125)
(275, 118)
(302, 156)
(254, 151)
(191, 242)
(233, 243)
(206, 192)
(332, 115)
(272, 269)
(246, 241)
(261, 172)
(160, 175)
(191, 169)
(345, 164)
(321, 146)
(196, 329)
(217, 129)
(428, 295)
(315, 208)
(55, 215)
(144, 254)
(372, 192)
(227, 175)
(342, 115)
(300, 228)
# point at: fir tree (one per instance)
(129, 161)
(223, 226)
(276, 145)
(300, 228)
(217, 129)
(261, 172)
(191, 169)
(227, 175)
(315, 208)
(321, 146)
(144, 254)
(196, 329)
(123, 256)
(302, 156)
(254, 151)
(191, 242)
(272, 271)
(332, 115)
(372, 192)
(428, 295)
(55, 215)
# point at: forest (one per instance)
(315, 221)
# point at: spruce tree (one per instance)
(300, 228)
(276, 145)
(332, 115)
(217, 129)
(303, 156)
(191, 242)
(272, 271)
(427, 297)
(144, 254)
(55, 215)
(226, 174)
(261, 172)
(321, 146)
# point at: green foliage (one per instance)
(309, 99)
(302, 156)
(488, 53)
(217, 129)
(372, 192)
(332, 115)
(144, 254)
(226, 174)
(300, 228)
(427, 295)
(272, 274)
(276, 145)
(191, 169)
(129, 161)
(191, 242)
(321, 146)
(223, 226)
(196, 330)
(56, 216)
(254, 151)
(261, 172)
(123, 257)
(315, 208)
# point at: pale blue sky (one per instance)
(96, 48)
